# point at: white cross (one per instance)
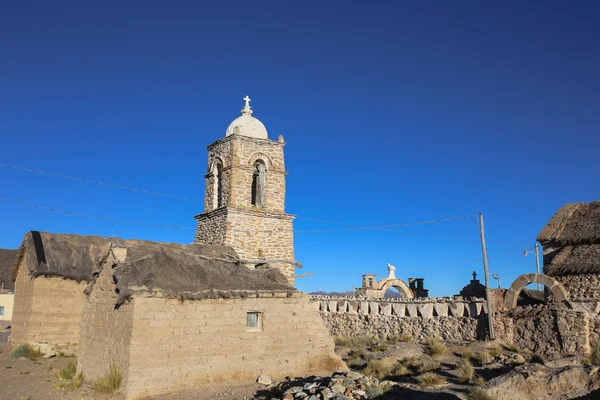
(247, 100)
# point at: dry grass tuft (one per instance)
(478, 394)
(495, 351)
(511, 347)
(379, 347)
(26, 351)
(465, 371)
(406, 338)
(483, 358)
(426, 366)
(435, 348)
(375, 390)
(354, 341)
(479, 381)
(378, 369)
(110, 383)
(68, 376)
(431, 379)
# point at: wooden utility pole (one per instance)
(537, 261)
(487, 278)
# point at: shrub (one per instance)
(110, 383)
(465, 371)
(378, 369)
(431, 379)
(25, 351)
(435, 348)
(537, 358)
(483, 358)
(478, 394)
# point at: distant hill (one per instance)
(389, 294)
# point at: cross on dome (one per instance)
(247, 110)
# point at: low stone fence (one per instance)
(447, 318)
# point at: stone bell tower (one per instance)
(245, 195)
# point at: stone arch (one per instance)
(258, 156)
(213, 160)
(558, 291)
(399, 285)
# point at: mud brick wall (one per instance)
(47, 310)
(177, 345)
(443, 318)
(105, 331)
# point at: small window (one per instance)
(1, 310)
(254, 321)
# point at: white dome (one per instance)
(247, 125)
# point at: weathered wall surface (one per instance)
(177, 345)
(47, 310)
(445, 318)
(544, 330)
(7, 301)
(584, 286)
(105, 331)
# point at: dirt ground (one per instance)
(23, 379)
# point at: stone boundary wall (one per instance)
(399, 307)
(447, 318)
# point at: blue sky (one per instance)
(393, 112)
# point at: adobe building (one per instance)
(571, 242)
(244, 201)
(51, 274)
(173, 317)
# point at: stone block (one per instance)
(425, 310)
(441, 309)
(385, 309)
(373, 308)
(399, 309)
(412, 310)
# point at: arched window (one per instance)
(259, 184)
(217, 184)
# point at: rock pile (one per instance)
(341, 386)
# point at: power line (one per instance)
(154, 193)
(123, 221)
(132, 189)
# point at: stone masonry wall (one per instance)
(443, 318)
(47, 310)
(254, 232)
(105, 331)
(178, 345)
(211, 228)
(585, 286)
(544, 330)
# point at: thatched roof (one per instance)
(573, 224)
(571, 240)
(8, 260)
(166, 269)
